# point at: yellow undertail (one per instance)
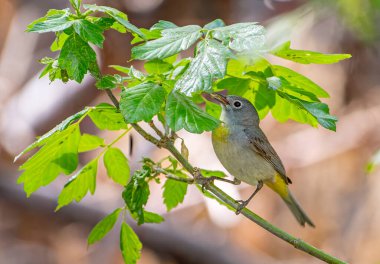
(279, 186)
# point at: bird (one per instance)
(245, 152)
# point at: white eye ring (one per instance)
(237, 104)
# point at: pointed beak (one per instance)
(220, 98)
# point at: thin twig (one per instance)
(221, 195)
(155, 128)
(173, 177)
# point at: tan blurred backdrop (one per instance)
(327, 168)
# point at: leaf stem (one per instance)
(221, 195)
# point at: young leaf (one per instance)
(307, 56)
(242, 37)
(157, 66)
(78, 185)
(235, 85)
(162, 24)
(210, 173)
(107, 117)
(209, 64)
(181, 112)
(103, 227)
(59, 41)
(89, 32)
(76, 4)
(213, 109)
(214, 24)
(298, 80)
(118, 16)
(174, 193)
(76, 57)
(106, 82)
(53, 21)
(142, 102)
(58, 155)
(117, 166)
(60, 127)
(136, 194)
(153, 218)
(130, 244)
(89, 142)
(173, 41)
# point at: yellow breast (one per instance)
(221, 133)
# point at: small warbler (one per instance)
(245, 152)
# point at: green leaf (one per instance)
(58, 155)
(76, 57)
(107, 117)
(90, 142)
(174, 193)
(306, 56)
(213, 109)
(215, 24)
(103, 227)
(234, 85)
(298, 80)
(305, 112)
(89, 32)
(150, 217)
(157, 66)
(142, 102)
(373, 163)
(173, 41)
(162, 24)
(117, 15)
(106, 82)
(117, 166)
(78, 185)
(211, 173)
(242, 37)
(209, 64)
(59, 41)
(130, 244)
(76, 4)
(181, 112)
(53, 21)
(136, 194)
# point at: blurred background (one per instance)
(329, 170)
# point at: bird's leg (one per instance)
(243, 204)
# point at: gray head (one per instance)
(237, 110)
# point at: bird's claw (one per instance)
(241, 205)
(200, 179)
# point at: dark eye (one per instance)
(237, 104)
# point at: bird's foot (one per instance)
(200, 179)
(241, 205)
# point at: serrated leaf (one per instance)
(59, 41)
(150, 217)
(157, 66)
(242, 37)
(53, 21)
(208, 65)
(302, 111)
(102, 228)
(215, 24)
(173, 41)
(162, 24)
(89, 142)
(106, 82)
(89, 32)
(58, 155)
(107, 117)
(136, 194)
(307, 56)
(60, 127)
(117, 166)
(130, 244)
(76, 57)
(181, 112)
(142, 102)
(174, 193)
(77, 187)
(117, 15)
(234, 85)
(298, 80)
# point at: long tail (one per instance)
(280, 187)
